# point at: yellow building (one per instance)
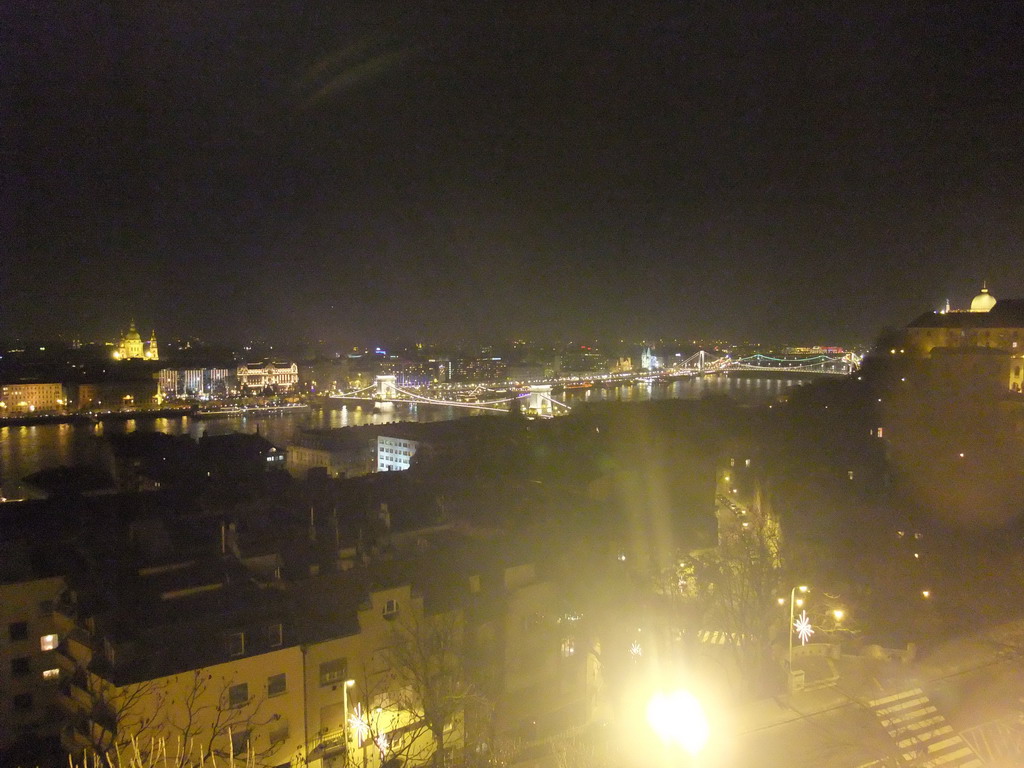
(47, 397)
(364, 700)
(29, 667)
(131, 346)
(325, 691)
(989, 324)
(251, 705)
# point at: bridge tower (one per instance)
(540, 399)
(386, 389)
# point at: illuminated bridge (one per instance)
(535, 397)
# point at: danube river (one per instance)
(27, 449)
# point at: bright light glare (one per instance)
(678, 718)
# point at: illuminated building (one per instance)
(258, 376)
(649, 361)
(394, 453)
(990, 324)
(478, 369)
(194, 382)
(45, 397)
(116, 395)
(131, 346)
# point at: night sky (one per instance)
(359, 171)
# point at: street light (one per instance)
(679, 719)
(792, 602)
(348, 684)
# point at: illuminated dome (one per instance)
(984, 301)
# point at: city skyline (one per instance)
(504, 171)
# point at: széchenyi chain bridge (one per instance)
(536, 397)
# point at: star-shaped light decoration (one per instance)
(636, 651)
(803, 628)
(358, 724)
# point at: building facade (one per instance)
(199, 383)
(132, 347)
(947, 335)
(268, 374)
(45, 397)
(30, 670)
(394, 453)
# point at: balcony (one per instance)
(330, 743)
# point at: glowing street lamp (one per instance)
(678, 719)
(344, 695)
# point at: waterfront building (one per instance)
(200, 383)
(275, 375)
(117, 395)
(478, 369)
(131, 346)
(32, 397)
(649, 361)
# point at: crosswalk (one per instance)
(719, 637)
(923, 736)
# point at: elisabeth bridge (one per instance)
(535, 396)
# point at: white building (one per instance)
(194, 382)
(395, 453)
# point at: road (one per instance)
(957, 708)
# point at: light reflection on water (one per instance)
(27, 449)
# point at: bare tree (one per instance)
(749, 578)
(118, 714)
(214, 725)
(418, 690)
(199, 718)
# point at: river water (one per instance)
(27, 449)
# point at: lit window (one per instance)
(51, 674)
(48, 642)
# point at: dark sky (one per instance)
(803, 171)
